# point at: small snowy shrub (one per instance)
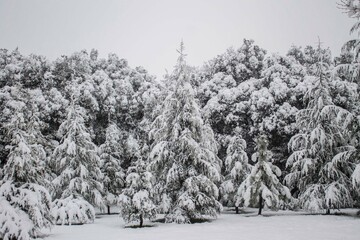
(110, 153)
(262, 185)
(72, 210)
(24, 210)
(237, 168)
(136, 202)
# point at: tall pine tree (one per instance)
(183, 155)
(321, 180)
(77, 163)
(24, 201)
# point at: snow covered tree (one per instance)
(183, 155)
(72, 210)
(11, 67)
(110, 155)
(227, 81)
(227, 108)
(136, 200)
(321, 180)
(242, 64)
(273, 106)
(237, 169)
(267, 103)
(352, 47)
(26, 159)
(262, 185)
(24, 202)
(24, 210)
(77, 162)
(349, 156)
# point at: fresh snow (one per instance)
(280, 225)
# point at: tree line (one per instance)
(245, 129)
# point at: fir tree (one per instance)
(322, 181)
(352, 69)
(24, 201)
(77, 161)
(183, 155)
(237, 169)
(26, 159)
(136, 201)
(24, 210)
(262, 186)
(349, 69)
(110, 155)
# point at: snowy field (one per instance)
(279, 225)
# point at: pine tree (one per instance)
(24, 210)
(110, 155)
(24, 201)
(262, 185)
(237, 169)
(322, 181)
(183, 155)
(26, 159)
(77, 162)
(352, 69)
(136, 200)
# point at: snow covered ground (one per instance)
(273, 225)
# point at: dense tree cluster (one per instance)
(83, 132)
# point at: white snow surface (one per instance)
(281, 225)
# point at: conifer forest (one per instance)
(84, 138)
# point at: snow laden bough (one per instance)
(24, 211)
(72, 211)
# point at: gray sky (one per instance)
(148, 32)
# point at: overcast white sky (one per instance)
(148, 32)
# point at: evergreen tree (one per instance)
(237, 169)
(111, 156)
(26, 159)
(242, 64)
(349, 69)
(24, 201)
(183, 155)
(266, 104)
(262, 185)
(77, 161)
(136, 201)
(322, 181)
(24, 210)
(352, 68)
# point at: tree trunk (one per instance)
(328, 208)
(328, 211)
(260, 204)
(141, 220)
(108, 209)
(237, 210)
